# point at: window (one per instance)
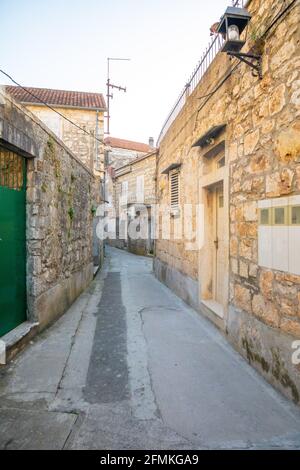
(279, 234)
(295, 213)
(265, 216)
(174, 190)
(221, 162)
(124, 192)
(52, 120)
(131, 212)
(140, 188)
(125, 187)
(279, 216)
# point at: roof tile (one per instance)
(128, 144)
(76, 99)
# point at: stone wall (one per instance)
(86, 148)
(89, 151)
(262, 161)
(117, 157)
(146, 167)
(60, 200)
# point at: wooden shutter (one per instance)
(140, 188)
(124, 192)
(174, 189)
(125, 188)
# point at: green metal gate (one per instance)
(12, 240)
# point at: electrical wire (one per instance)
(50, 107)
(217, 87)
(208, 96)
(279, 15)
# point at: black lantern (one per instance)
(231, 26)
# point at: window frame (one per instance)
(285, 216)
(269, 211)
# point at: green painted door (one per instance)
(12, 241)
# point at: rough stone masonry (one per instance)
(261, 138)
(60, 203)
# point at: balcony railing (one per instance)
(208, 56)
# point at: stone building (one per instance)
(119, 152)
(82, 108)
(85, 110)
(231, 149)
(47, 196)
(135, 185)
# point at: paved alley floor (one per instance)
(130, 366)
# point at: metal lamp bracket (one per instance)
(254, 61)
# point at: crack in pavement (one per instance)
(173, 392)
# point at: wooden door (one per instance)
(219, 275)
(12, 241)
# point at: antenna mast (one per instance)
(110, 87)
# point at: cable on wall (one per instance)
(50, 107)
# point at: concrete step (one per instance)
(16, 340)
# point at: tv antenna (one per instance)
(111, 86)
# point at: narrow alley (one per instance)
(130, 366)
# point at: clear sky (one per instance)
(64, 44)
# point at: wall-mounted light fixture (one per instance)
(231, 26)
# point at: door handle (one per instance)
(216, 242)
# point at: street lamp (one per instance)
(232, 25)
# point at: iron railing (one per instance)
(208, 56)
(12, 170)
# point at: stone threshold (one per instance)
(214, 306)
(96, 269)
(17, 339)
(214, 312)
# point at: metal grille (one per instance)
(208, 56)
(11, 170)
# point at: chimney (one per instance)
(151, 142)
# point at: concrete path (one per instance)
(130, 366)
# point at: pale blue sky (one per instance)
(64, 44)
